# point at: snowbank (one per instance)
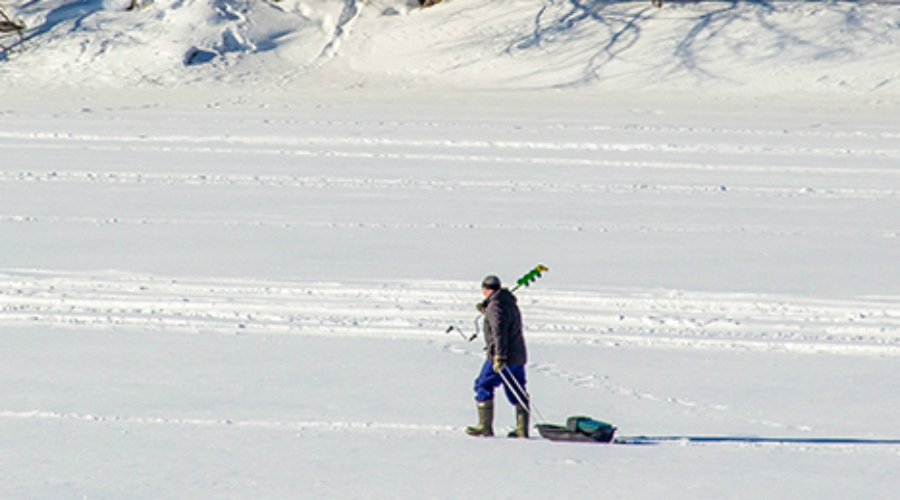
(732, 48)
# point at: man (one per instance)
(506, 358)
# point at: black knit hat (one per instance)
(491, 283)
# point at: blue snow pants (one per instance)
(488, 380)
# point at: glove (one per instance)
(481, 307)
(499, 363)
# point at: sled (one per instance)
(578, 429)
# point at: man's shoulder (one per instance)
(505, 296)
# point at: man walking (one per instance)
(506, 358)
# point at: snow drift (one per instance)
(732, 47)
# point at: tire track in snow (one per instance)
(868, 326)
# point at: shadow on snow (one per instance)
(621, 24)
(650, 440)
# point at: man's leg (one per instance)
(488, 380)
(515, 389)
(485, 384)
(518, 397)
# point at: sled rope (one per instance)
(519, 391)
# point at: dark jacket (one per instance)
(503, 328)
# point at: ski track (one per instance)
(295, 223)
(227, 144)
(424, 309)
(793, 163)
(312, 182)
(818, 170)
(315, 426)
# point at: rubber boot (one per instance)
(521, 430)
(485, 425)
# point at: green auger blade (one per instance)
(531, 276)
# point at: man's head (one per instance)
(490, 284)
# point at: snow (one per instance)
(729, 48)
(233, 234)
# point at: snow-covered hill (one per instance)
(600, 45)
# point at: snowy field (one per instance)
(232, 278)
